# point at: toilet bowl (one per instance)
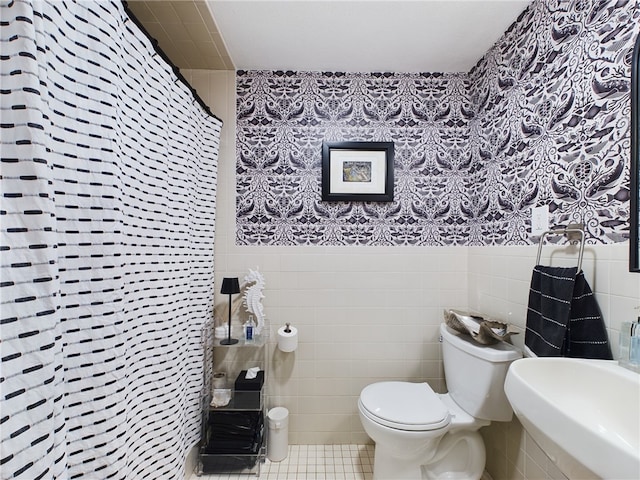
(422, 435)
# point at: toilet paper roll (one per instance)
(287, 340)
(221, 331)
(219, 380)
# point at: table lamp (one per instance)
(229, 286)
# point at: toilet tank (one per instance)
(475, 374)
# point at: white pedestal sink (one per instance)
(585, 414)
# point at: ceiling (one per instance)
(329, 35)
(185, 31)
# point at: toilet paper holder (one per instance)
(287, 338)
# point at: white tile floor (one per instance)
(313, 462)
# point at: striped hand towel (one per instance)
(563, 317)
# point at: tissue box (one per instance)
(253, 384)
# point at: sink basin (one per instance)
(585, 414)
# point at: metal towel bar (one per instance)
(573, 231)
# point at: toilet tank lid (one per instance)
(498, 352)
(405, 405)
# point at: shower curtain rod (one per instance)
(176, 70)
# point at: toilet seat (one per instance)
(404, 406)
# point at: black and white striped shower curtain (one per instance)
(108, 203)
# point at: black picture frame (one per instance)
(634, 172)
(357, 171)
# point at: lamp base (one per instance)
(229, 341)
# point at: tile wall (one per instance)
(367, 314)
(185, 31)
(498, 286)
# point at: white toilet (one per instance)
(423, 435)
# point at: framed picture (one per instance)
(357, 171)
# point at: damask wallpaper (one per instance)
(543, 119)
(553, 122)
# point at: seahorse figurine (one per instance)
(253, 297)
